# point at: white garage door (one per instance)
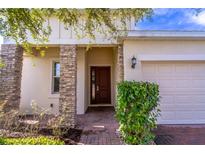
(182, 90)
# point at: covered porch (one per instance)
(97, 77)
(76, 81)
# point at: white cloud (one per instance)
(199, 18)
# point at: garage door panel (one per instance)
(198, 115)
(167, 99)
(199, 98)
(182, 69)
(198, 83)
(166, 83)
(149, 69)
(184, 115)
(183, 76)
(189, 107)
(182, 90)
(150, 79)
(182, 83)
(198, 69)
(165, 68)
(189, 115)
(180, 99)
(167, 107)
(167, 115)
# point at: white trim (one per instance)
(160, 57)
(165, 34)
(50, 94)
(111, 78)
(180, 122)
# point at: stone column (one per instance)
(68, 74)
(119, 68)
(10, 76)
(120, 63)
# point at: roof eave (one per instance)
(164, 35)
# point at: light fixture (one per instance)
(134, 61)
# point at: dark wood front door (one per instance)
(100, 85)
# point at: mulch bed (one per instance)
(70, 137)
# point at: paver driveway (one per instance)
(180, 134)
(99, 126)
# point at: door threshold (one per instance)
(95, 105)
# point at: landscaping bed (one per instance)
(37, 129)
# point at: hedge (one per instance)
(137, 111)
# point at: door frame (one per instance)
(111, 83)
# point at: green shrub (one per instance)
(137, 111)
(31, 141)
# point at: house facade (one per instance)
(71, 77)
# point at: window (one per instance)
(55, 77)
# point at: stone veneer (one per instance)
(120, 63)
(68, 74)
(10, 76)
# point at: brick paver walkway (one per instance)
(99, 127)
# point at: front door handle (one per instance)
(97, 88)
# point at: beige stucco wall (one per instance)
(81, 81)
(36, 82)
(115, 78)
(86, 82)
(164, 48)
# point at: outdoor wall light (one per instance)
(134, 61)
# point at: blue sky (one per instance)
(172, 19)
